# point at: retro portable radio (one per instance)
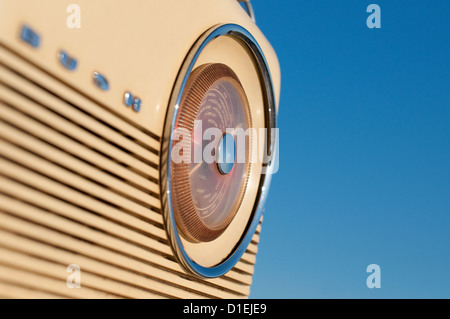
(132, 163)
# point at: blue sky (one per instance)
(364, 151)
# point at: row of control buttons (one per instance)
(31, 37)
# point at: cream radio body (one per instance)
(87, 115)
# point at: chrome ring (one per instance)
(246, 38)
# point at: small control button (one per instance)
(100, 81)
(67, 61)
(128, 99)
(137, 104)
(131, 101)
(29, 36)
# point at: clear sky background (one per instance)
(364, 152)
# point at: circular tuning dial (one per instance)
(207, 190)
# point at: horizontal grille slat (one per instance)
(35, 196)
(79, 117)
(95, 108)
(35, 131)
(107, 192)
(130, 247)
(50, 269)
(67, 128)
(109, 253)
(61, 190)
(79, 183)
(61, 159)
(63, 176)
(99, 231)
(15, 291)
(38, 282)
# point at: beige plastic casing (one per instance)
(139, 45)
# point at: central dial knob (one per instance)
(226, 153)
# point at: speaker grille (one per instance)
(79, 184)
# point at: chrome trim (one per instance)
(249, 8)
(247, 39)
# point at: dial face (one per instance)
(208, 189)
